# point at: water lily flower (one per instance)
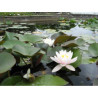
(28, 74)
(64, 59)
(49, 41)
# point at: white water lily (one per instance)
(64, 59)
(49, 41)
(28, 74)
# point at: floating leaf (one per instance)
(63, 38)
(11, 81)
(25, 50)
(30, 38)
(52, 51)
(88, 60)
(93, 49)
(46, 59)
(10, 36)
(24, 83)
(42, 45)
(49, 80)
(11, 43)
(77, 53)
(71, 43)
(80, 41)
(7, 61)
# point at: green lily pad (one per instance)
(80, 41)
(44, 80)
(52, 51)
(77, 53)
(49, 80)
(29, 38)
(93, 49)
(46, 59)
(10, 36)
(7, 61)
(25, 50)
(24, 83)
(9, 44)
(11, 81)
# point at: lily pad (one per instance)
(11, 81)
(77, 53)
(7, 61)
(30, 38)
(25, 50)
(9, 44)
(10, 36)
(49, 80)
(63, 38)
(52, 51)
(93, 49)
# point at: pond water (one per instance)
(85, 73)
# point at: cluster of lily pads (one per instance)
(34, 54)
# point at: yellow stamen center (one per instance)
(64, 56)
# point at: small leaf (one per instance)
(7, 61)
(80, 41)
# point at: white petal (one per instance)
(28, 71)
(57, 59)
(57, 54)
(52, 58)
(70, 54)
(70, 67)
(57, 68)
(73, 60)
(25, 76)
